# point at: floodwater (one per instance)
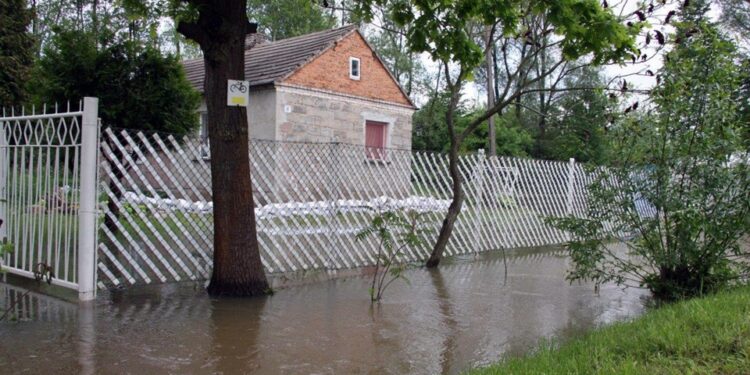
(465, 314)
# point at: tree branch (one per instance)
(193, 31)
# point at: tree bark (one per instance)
(492, 139)
(453, 210)
(220, 31)
(458, 197)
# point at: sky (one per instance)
(635, 74)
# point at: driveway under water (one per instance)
(463, 315)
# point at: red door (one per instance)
(375, 136)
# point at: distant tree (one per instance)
(743, 97)
(577, 120)
(139, 22)
(16, 51)
(428, 125)
(735, 15)
(281, 19)
(390, 42)
(511, 138)
(430, 133)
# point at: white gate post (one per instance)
(87, 203)
(571, 182)
(4, 167)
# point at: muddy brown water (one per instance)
(464, 315)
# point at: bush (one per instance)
(681, 186)
(394, 232)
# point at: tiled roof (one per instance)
(272, 61)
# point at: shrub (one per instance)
(682, 183)
(394, 232)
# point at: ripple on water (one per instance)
(467, 313)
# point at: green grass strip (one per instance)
(709, 335)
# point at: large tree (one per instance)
(16, 50)
(220, 27)
(449, 32)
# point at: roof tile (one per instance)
(271, 61)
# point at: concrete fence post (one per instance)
(479, 186)
(87, 202)
(571, 185)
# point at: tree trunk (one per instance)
(220, 31)
(490, 91)
(453, 210)
(457, 192)
(495, 71)
(95, 19)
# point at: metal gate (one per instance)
(48, 166)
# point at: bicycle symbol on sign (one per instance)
(238, 86)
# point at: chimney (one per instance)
(253, 37)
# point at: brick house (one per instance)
(327, 86)
(328, 102)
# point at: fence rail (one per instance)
(311, 200)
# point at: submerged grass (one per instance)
(709, 335)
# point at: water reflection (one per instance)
(234, 336)
(444, 321)
(86, 338)
(445, 308)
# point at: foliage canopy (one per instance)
(281, 19)
(137, 86)
(16, 51)
(689, 160)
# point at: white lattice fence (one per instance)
(311, 201)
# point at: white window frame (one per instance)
(359, 68)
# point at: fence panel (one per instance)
(311, 201)
(40, 194)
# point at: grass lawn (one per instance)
(709, 335)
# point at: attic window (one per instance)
(354, 68)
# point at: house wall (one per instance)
(316, 168)
(330, 71)
(261, 114)
(318, 117)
